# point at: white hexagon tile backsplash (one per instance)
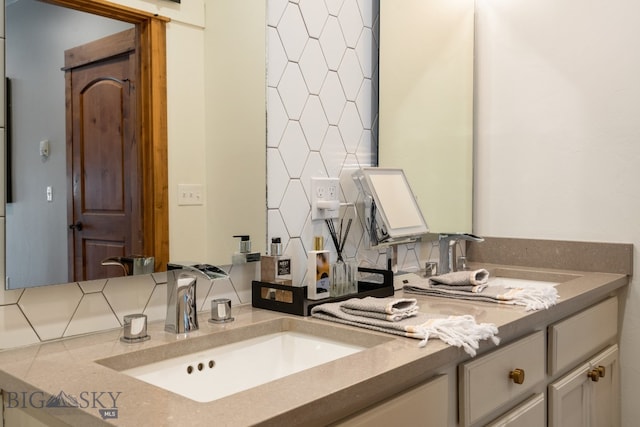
(322, 117)
(323, 120)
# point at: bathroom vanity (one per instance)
(557, 367)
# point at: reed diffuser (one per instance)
(343, 272)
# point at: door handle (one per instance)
(76, 226)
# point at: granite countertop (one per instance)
(323, 394)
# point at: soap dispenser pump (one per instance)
(244, 253)
(276, 267)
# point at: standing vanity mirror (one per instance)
(390, 211)
(426, 104)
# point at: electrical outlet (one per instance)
(325, 198)
(190, 194)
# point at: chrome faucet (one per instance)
(182, 311)
(447, 244)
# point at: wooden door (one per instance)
(103, 155)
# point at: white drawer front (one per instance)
(485, 382)
(578, 337)
(527, 414)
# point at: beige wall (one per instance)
(558, 135)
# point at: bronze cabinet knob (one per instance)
(517, 375)
(594, 375)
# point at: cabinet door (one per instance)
(606, 392)
(528, 414)
(25, 416)
(426, 404)
(17, 417)
(589, 395)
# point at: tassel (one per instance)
(534, 298)
(459, 331)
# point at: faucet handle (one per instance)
(135, 328)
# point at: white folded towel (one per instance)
(391, 309)
(470, 281)
(459, 331)
(538, 298)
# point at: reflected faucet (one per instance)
(447, 244)
(131, 265)
(182, 311)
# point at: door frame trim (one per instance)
(152, 113)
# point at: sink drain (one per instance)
(200, 366)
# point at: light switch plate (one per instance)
(190, 194)
(44, 148)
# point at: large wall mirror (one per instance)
(43, 42)
(426, 104)
(229, 122)
(202, 112)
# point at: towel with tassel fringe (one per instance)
(459, 331)
(469, 281)
(391, 309)
(532, 298)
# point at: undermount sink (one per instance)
(221, 371)
(519, 278)
(220, 364)
(510, 282)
